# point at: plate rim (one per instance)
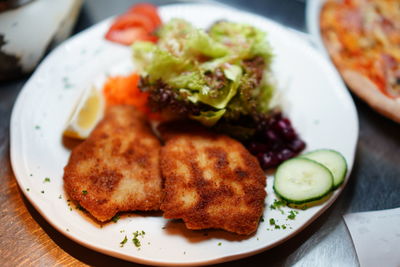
(312, 11)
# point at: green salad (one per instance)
(220, 77)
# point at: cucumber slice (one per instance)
(301, 180)
(333, 160)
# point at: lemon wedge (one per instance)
(87, 113)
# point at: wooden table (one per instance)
(27, 239)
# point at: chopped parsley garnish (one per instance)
(278, 204)
(42, 191)
(84, 192)
(272, 221)
(79, 207)
(292, 214)
(122, 243)
(277, 227)
(283, 226)
(46, 180)
(135, 238)
(67, 83)
(219, 244)
(262, 219)
(115, 218)
(27, 189)
(136, 242)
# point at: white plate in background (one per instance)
(313, 9)
(317, 102)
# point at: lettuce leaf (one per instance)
(245, 41)
(182, 39)
(157, 63)
(209, 118)
(232, 73)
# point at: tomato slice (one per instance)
(129, 35)
(138, 24)
(148, 10)
(130, 20)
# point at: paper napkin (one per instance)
(376, 237)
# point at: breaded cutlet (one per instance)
(211, 180)
(117, 167)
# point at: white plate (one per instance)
(313, 9)
(316, 101)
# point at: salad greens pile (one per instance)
(217, 77)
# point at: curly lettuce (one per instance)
(221, 73)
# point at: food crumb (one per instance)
(122, 243)
(136, 236)
(277, 205)
(115, 218)
(292, 214)
(272, 221)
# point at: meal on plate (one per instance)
(117, 167)
(192, 131)
(363, 40)
(211, 180)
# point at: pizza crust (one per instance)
(369, 92)
(361, 85)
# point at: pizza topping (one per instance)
(364, 35)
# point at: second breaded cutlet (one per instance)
(211, 180)
(117, 167)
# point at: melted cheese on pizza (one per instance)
(364, 35)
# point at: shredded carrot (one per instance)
(123, 90)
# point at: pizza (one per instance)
(363, 39)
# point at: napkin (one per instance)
(376, 237)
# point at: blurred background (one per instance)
(325, 242)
